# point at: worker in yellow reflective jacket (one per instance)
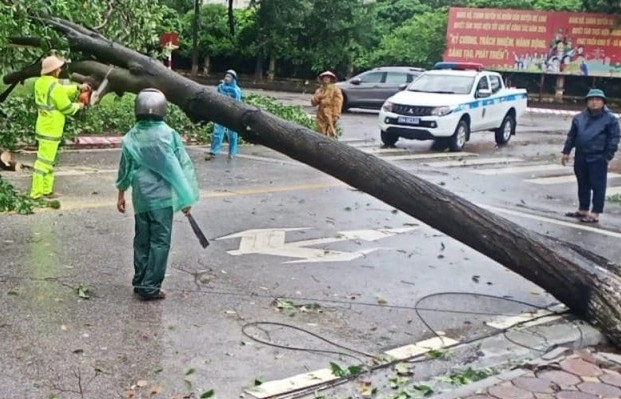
(55, 101)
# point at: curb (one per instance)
(562, 112)
(116, 141)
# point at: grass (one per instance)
(616, 198)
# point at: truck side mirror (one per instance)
(403, 86)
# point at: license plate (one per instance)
(408, 120)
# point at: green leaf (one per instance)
(425, 390)
(190, 371)
(208, 394)
(337, 370)
(83, 291)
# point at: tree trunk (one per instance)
(587, 283)
(194, 72)
(206, 65)
(7, 163)
(258, 69)
(350, 69)
(271, 71)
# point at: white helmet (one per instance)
(50, 64)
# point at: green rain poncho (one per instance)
(156, 165)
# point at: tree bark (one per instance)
(587, 283)
(271, 71)
(206, 65)
(194, 72)
(258, 69)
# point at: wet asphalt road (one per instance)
(357, 285)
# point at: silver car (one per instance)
(371, 88)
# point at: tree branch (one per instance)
(107, 15)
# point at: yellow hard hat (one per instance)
(50, 64)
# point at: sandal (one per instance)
(576, 215)
(589, 219)
(160, 295)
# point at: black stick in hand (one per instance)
(197, 231)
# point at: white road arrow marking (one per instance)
(273, 242)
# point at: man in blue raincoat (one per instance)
(595, 135)
(228, 87)
(155, 164)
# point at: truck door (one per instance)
(497, 111)
(480, 114)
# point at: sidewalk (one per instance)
(562, 374)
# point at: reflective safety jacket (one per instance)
(54, 103)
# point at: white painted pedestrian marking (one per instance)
(562, 179)
(430, 156)
(472, 162)
(314, 378)
(383, 150)
(82, 171)
(573, 225)
(420, 348)
(270, 160)
(523, 169)
(524, 320)
(273, 242)
(355, 140)
(272, 388)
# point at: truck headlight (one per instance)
(387, 106)
(441, 111)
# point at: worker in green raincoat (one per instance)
(55, 101)
(155, 164)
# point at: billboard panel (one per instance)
(535, 41)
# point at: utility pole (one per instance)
(197, 4)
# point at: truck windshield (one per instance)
(447, 84)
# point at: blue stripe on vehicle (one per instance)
(489, 101)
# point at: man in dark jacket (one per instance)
(595, 135)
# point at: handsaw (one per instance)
(97, 93)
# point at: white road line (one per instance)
(268, 159)
(430, 156)
(613, 190)
(562, 179)
(300, 381)
(573, 225)
(522, 169)
(472, 162)
(384, 150)
(355, 140)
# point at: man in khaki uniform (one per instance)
(329, 100)
(55, 102)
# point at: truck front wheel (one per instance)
(458, 140)
(389, 139)
(506, 130)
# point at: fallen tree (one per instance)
(587, 283)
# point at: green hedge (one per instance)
(115, 115)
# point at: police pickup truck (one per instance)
(449, 102)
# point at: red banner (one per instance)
(535, 41)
